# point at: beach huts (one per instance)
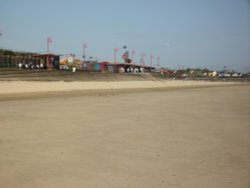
(48, 61)
(104, 66)
(27, 60)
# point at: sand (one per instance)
(10, 87)
(192, 137)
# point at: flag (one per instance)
(85, 45)
(125, 55)
(49, 40)
(116, 50)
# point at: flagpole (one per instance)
(158, 62)
(132, 56)
(85, 45)
(151, 60)
(49, 40)
(83, 53)
(47, 45)
(115, 50)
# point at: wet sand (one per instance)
(192, 137)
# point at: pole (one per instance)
(132, 56)
(47, 45)
(158, 62)
(115, 50)
(143, 59)
(115, 56)
(83, 54)
(49, 40)
(151, 60)
(85, 45)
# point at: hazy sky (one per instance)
(190, 33)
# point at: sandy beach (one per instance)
(193, 135)
(28, 88)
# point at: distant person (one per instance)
(26, 66)
(85, 68)
(31, 66)
(20, 65)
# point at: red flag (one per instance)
(125, 55)
(49, 40)
(116, 50)
(85, 45)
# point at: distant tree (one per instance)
(6, 52)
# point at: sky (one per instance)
(209, 34)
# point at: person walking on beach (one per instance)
(85, 67)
